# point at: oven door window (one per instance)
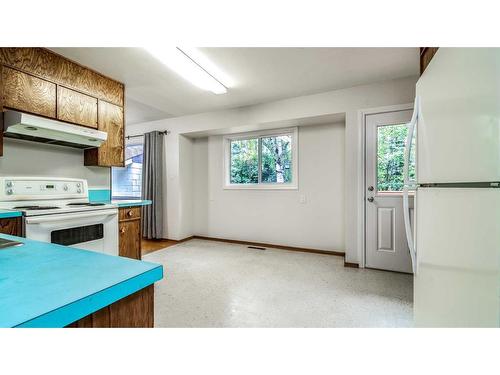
(72, 236)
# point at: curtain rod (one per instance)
(164, 132)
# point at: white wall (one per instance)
(23, 158)
(186, 184)
(200, 186)
(274, 216)
(349, 101)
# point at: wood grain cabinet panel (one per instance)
(133, 311)
(111, 152)
(130, 239)
(28, 93)
(12, 226)
(51, 66)
(75, 107)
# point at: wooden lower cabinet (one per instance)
(134, 311)
(130, 232)
(12, 226)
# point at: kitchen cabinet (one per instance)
(111, 152)
(76, 107)
(50, 66)
(41, 82)
(130, 232)
(134, 311)
(27, 93)
(12, 226)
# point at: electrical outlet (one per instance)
(302, 198)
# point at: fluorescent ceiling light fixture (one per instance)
(192, 66)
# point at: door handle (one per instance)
(371, 199)
(370, 188)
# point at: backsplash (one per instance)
(23, 158)
(99, 195)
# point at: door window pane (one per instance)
(245, 161)
(391, 141)
(277, 159)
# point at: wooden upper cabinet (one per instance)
(75, 107)
(39, 81)
(49, 65)
(111, 152)
(27, 93)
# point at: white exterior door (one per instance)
(385, 240)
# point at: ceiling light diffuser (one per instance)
(199, 73)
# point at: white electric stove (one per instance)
(58, 210)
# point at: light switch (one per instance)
(302, 198)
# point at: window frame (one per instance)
(133, 142)
(293, 185)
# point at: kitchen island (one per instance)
(48, 285)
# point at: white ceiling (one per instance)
(153, 91)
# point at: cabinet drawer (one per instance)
(130, 213)
(77, 108)
(26, 93)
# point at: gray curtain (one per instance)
(152, 185)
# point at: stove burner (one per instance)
(86, 204)
(36, 208)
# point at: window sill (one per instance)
(260, 187)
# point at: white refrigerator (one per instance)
(455, 245)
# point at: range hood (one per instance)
(39, 129)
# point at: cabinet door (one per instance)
(75, 107)
(27, 93)
(130, 239)
(111, 152)
(11, 226)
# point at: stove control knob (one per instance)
(9, 183)
(65, 187)
(79, 190)
(9, 191)
(78, 185)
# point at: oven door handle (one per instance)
(62, 217)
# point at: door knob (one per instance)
(370, 199)
(370, 188)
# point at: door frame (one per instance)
(361, 194)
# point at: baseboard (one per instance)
(186, 239)
(274, 246)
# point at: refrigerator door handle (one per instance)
(406, 186)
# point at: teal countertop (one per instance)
(48, 285)
(4, 214)
(131, 203)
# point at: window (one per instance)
(127, 181)
(261, 160)
(391, 141)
